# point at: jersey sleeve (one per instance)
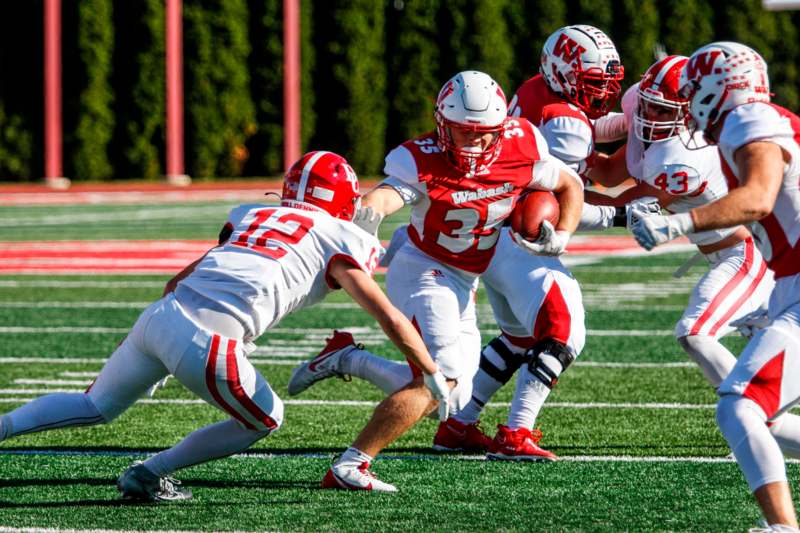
(402, 175)
(629, 102)
(358, 248)
(570, 139)
(754, 122)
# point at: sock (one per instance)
(786, 430)
(743, 424)
(714, 360)
(353, 457)
(53, 411)
(530, 394)
(387, 375)
(499, 360)
(210, 442)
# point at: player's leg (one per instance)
(736, 283)
(558, 326)
(127, 375)
(763, 384)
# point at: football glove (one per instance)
(750, 323)
(399, 238)
(550, 241)
(367, 219)
(647, 204)
(438, 386)
(650, 230)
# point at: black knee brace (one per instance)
(513, 361)
(555, 349)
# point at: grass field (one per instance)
(632, 420)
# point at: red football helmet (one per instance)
(661, 112)
(471, 102)
(323, 180)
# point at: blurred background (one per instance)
(370, 71)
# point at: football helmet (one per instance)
(473, 103)
(582, 64)
(661, 112)
(323, 180)
(719, 77)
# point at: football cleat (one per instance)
(518, 445)
(139, 483)
(453, 435)
(347, 477)
(325, 364)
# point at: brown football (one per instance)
(531, 210)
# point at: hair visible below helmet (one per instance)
(582, 64)
(658, 91)
(719, 77)
(324, 180)
(471, 102)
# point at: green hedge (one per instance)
(370, 72)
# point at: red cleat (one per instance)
(324, 365)
(453, 435)
(518, 445)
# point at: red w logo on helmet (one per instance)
(568, 49)
(701, 64)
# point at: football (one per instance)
(531, 210)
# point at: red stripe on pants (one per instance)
(211, 383)
(765, 387)
(235, 386)
(553, 320)
(727, 289)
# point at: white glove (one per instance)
(650, 230)
(438, 386)
(367, 219)
(550, 241)
(399, 238)
(646, 204)
(750, 323)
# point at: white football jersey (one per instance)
(778, 234)
(695, 177)
(276, 261)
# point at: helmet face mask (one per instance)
(322, 181)
(582, 65)
(470, 118)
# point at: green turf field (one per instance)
(632, 420)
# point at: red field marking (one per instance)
(170, 256)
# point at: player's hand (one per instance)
(367, 219)
(648, 205)
(399, 238)
(438, 386)
(550, 241)
(750, 323)
(650, 230)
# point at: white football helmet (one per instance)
(582, 64)
(473, 102)
(719, 77)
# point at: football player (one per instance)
(462, 181)
(727, 87)
(536, 301)
(270, 261)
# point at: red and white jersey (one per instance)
(777, 234)
(456, 218)
(695, 177)
(276, 261)
(568, 131)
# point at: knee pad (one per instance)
(511, 360)
(537, 366)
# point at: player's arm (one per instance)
(640, 190)
(384, 200)
(761, 166)
(366, 292)
(609, 170)
(569, 192)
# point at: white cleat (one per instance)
(139, 483)
(348, 477)
(324, 365)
